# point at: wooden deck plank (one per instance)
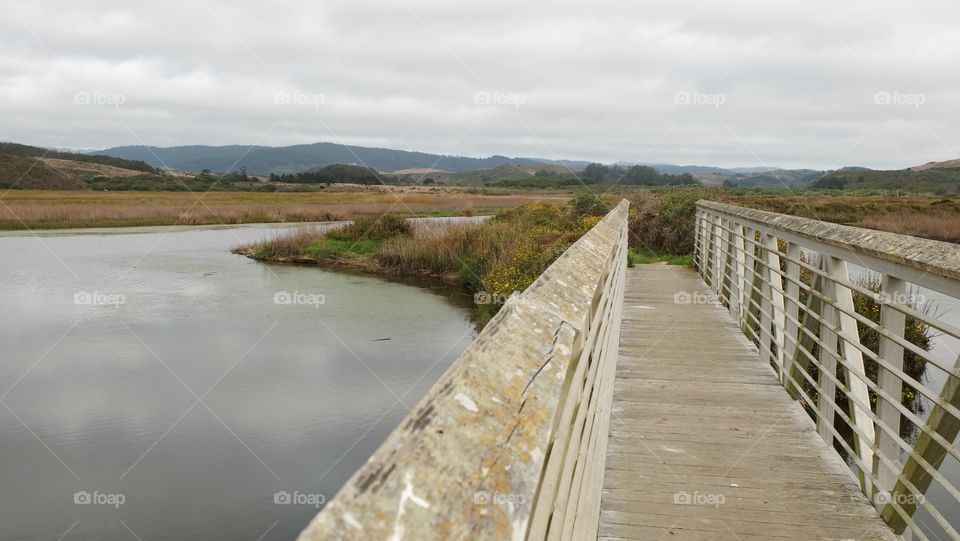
(704, 443)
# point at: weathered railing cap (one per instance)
(930, 256)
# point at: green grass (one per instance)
(327, 247)
(645, 256)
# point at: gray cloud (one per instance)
(806, 83)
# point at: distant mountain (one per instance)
(777, 178)
(755, 169)
(483, 176)
(670, 169)
(264, 160)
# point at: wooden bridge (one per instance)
(772, 395)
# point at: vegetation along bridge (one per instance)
(778, 394)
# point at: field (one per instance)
(47, 209)
(663, 217)
(928, 217)
(662, 220)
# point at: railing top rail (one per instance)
(929, 256)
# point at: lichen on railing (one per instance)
(486, 453)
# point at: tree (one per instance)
(642, 174)
(595, 172)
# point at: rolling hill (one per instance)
(949, 164)
(16, 149)
(27, 172)
(263, 160)
(935, 180)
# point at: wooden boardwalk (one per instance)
(704, 442)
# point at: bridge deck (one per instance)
(704, 442)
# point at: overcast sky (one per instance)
(805, 83)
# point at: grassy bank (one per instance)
(493, 259)
(50, 209)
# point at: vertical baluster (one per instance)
(775, 281)
(741, 274)
(809, 326)
(723, 296)
(766, 305)
(717, 256)
(733, 290)
(753, 282)
(893, 322)
(698, 241)
(942, 422)
(853, 358)
(792, 299)
(707, 270)
(828, 359)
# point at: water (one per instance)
(151, 370)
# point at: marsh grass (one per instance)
(46, 209)
(936, 226)
(499, 256)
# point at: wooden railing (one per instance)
(839, 344)
(510, 443)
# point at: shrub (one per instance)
(375, 228)
(663, 221)
(589, 204)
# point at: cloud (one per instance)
(778, 83)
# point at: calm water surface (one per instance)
(156, 374)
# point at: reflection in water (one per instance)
(159, 368)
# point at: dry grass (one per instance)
(40, 209)
(499, 256)
(945, 227)
(288, 244)
(464, 250)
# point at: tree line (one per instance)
(638, 174)
(343, 173)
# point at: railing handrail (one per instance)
(933, 257)
(510, 442)
(786, 281)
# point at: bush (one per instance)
(500, 256)
(589, 204)
(663, 221)
(375, 228)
